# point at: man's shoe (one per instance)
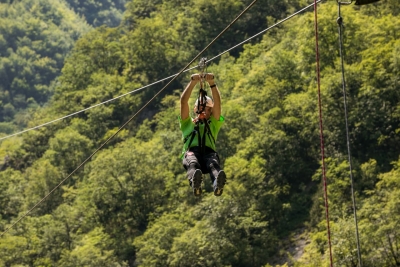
(196, 182)
(219, 183)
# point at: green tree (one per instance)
(126, 185)
(99, 12)
(67, 149)
(154, 246)
(380, 220)
(35, 37)
(94, 249)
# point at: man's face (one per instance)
(207, 112)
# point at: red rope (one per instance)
(322, 133)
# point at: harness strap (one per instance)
(210, 136)
(191, 139)
(201, 106)
(201, 140)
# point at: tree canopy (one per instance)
(35, 38)
(131, 205)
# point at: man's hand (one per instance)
(208, 77)
(195, 77)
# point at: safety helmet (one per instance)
(209, 102)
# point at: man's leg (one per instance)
(218, 177)
(193, 170)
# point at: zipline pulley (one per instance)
(202, 100)
(202, 64)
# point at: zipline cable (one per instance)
(139, 89)
(86, 109)
(340, 23)
(128, 121)
(267, 29)
(322, 133)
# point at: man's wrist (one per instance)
(212, 85)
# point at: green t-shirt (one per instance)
(187, 127)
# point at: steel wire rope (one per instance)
(321, 133)
(141, 88)
(86, 109)
(267, 29)
(128, 121)
(340, 24)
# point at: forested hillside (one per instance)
(35, 37)
(131, 205)
(99, 12)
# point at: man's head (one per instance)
(209, 105)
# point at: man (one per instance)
(199, 134)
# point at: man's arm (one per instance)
(216, 96)
(195, 78)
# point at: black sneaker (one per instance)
(219, 183)
(196, 182)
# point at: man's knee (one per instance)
(190, 160)
(213, 159)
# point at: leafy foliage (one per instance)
(35, 37)
(131, 205)
(99, 13)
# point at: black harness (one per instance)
(201, 139)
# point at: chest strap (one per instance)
(201, 139)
